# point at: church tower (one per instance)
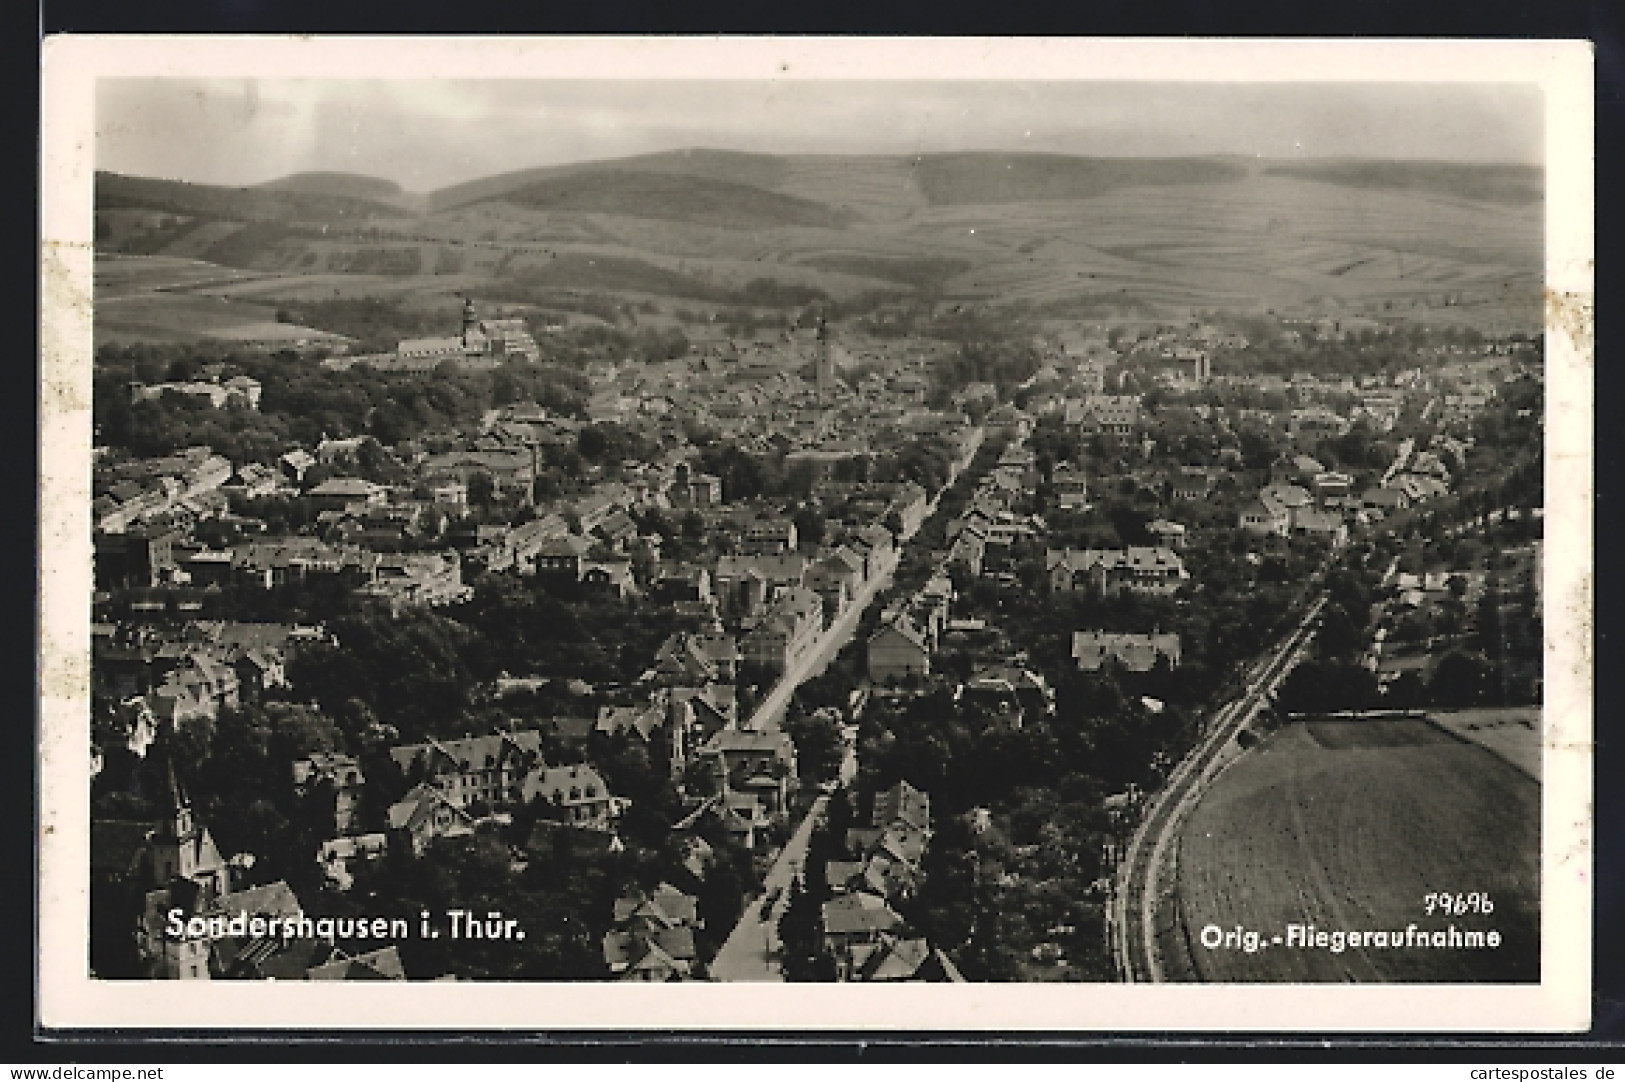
(181, 848)
(471, 322)
(824, 370)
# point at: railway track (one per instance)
(1140, 888)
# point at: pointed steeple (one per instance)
(177, 824)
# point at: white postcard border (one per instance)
(67, 998)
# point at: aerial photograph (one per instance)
(735, 530)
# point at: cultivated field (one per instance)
(1347, 825)
(168, 317)
(1512, 732)
(163, 299)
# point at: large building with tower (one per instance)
(483, 344)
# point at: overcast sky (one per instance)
(428, 134)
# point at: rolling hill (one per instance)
(734, 167)
(699, 200)
(1504, 185)
(349, 186)
(958, 179)
(275, 202)
(1071, 237)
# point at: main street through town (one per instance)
(769, 713)
(750, 953)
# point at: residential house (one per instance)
(1385, 500)
(509, 468)
(969, 551)
(344, 493)
(744, 584)
(1331, 485)
(757, 765)
(1071, 487)
(1008, 421)
(696, 658)
(874, 543)
(493, 770)
(642, 718)
(1011, 690)
(893, 959)
(768, 537)
(836, 578)
(1167, 534)
(1264, 514)
(790, 628)
(1095, 650)
(652, 937)
(417, 580)
(199, 686)
(425, 814)
(1294, 469)
(562, 556)
(1190, 484)
(684, 586)
(1141, 569)
(1312, 424)
(294, 464)
(1118, 415)
(890, 850)
(1323, 524)
(142, 556)
(338, 856)
(612, 578)
(904, 804)
(909, 504)
(270, 564)
(694, 489)
(253, 481)
(617, 529)
(339, 773)
(896, 651)
(579, 794)
(1294, 498)
(501, 548)
(855, 920)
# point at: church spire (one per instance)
(178, 822)
(824, 370)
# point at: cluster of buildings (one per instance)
(152, 679)
(979, 539)
(859, 927)
(755, 597)
(174, 489)
(652, 938)
(915, 629)
(483, 344)
(213, 387)
(194, 914)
